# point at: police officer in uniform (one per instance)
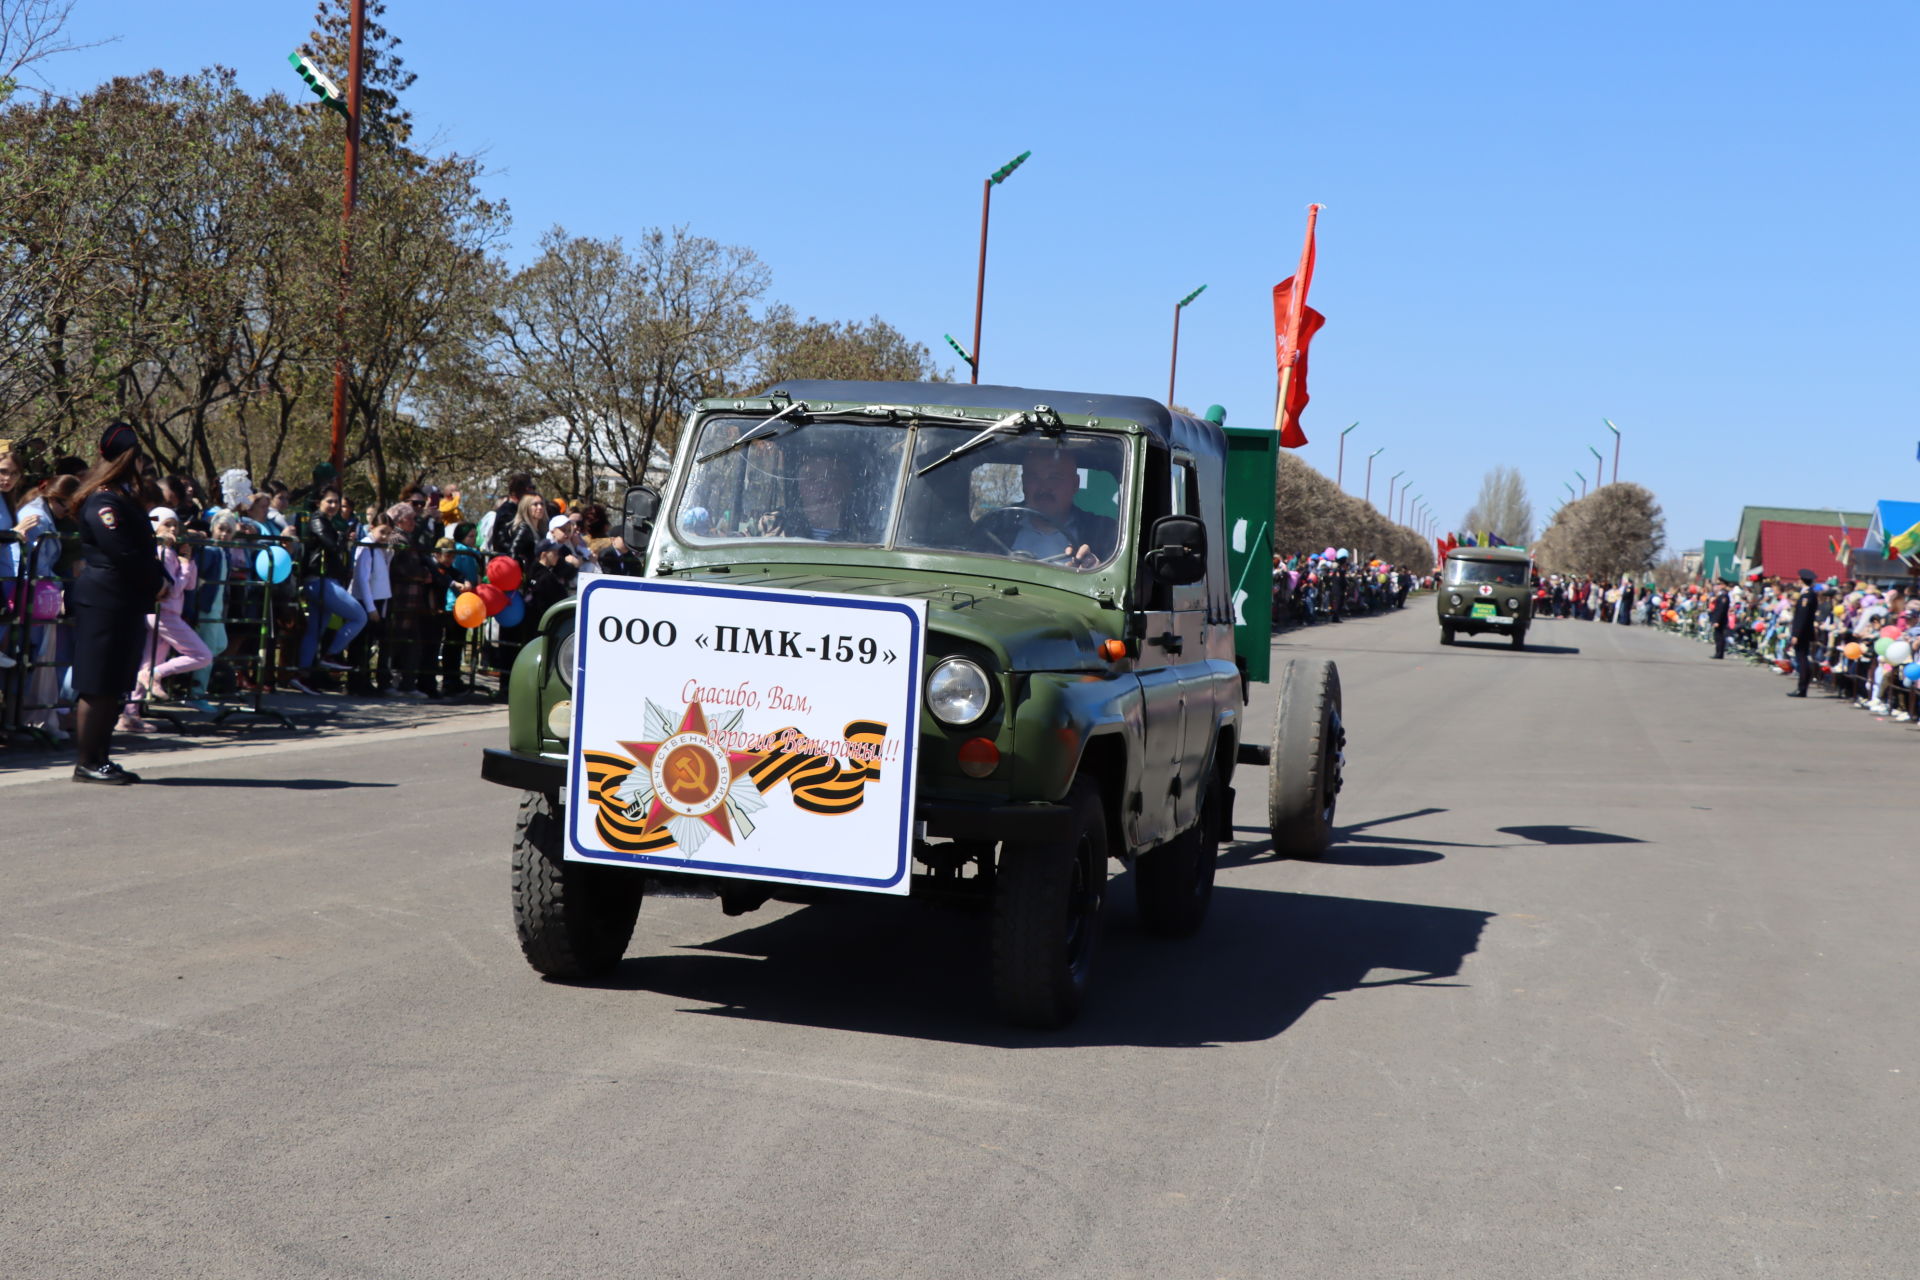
(1800, 633)
(119, 582)
(1717, 616)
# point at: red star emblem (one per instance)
(690, 773)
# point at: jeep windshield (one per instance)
(1498, 573)
(1053, 497)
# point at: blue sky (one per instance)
(1696, 219)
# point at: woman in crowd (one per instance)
(409, 612)
(121, 580)
(327, 575)
(13, 491)
(373, 588)
(51, 561)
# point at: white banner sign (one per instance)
(730, 731)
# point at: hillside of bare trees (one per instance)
(1616, 530)
(1310, 513)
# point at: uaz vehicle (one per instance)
(1486, 589)
(1081, 694)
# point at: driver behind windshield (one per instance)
(1046, 525)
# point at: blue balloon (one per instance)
(1912, 673)
(516, 610)
(273, 564)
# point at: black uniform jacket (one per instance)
(1805, 609)
(327, 552)
(1717, 611)
(122, 569)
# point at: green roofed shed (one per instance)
(1717, 560)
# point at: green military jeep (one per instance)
(926, 638)
(1486, 589)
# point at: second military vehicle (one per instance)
(1486, 589)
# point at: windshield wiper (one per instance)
(755, 432)
(1017, 423)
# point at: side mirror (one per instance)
(637, 511)
(1177, 553)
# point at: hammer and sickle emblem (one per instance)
(690, 773)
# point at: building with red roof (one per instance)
(1785, 548)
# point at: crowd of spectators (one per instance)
(1329, 586)
(1865, 639)
(270, 589)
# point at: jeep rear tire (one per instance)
(574, 918)
(1173, 884)
(1309, 742)
(1046, 917)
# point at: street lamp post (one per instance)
(1367, 497)
(1616, 448)
(1173, 367)
(324, 88)
(994, 179)
(1599, 467)
(1390, 483)
(1583, 483)
(1340, 467)
(1570, 493)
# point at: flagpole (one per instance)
(1296, 312)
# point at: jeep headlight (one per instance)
(1455, 599)
(958, 691)
(1513, 603)
(564, 660)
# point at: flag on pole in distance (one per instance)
(1440, 548)
(1495, 540)
(1907, 543)
(1294, 324)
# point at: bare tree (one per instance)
(1502, 508)
(31, 31)
(1616, 530)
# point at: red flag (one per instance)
(1440, 547)
(1294, 324)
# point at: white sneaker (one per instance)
(1878, 708)
(298, 685)
(1901, 717)
(329, 664)
(5, 662)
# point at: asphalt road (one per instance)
(1610, 974)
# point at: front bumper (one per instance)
(945, 819)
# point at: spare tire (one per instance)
(1309, 746)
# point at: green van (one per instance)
(1486, 589)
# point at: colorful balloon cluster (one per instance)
(497, 597)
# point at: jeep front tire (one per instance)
(1046, 916)
(574, 918)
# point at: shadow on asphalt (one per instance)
(286, 784)
(1506, 646)
(1568, 835)
(920, 970)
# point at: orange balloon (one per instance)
(469, 610)
(1854, 650)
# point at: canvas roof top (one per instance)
(1747, 541)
